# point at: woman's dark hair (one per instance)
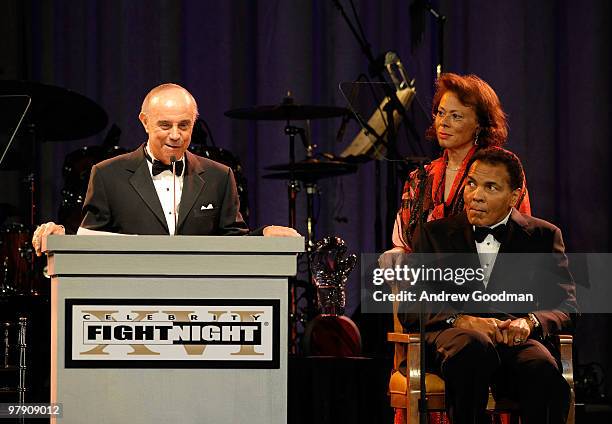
(474, 92)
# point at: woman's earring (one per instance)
(476, 138)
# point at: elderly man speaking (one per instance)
(138, 193)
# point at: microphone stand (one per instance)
(376, 67)
(173, 163)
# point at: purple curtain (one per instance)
(549, 62)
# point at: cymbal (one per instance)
(58, 114)
(310, 170)
(286, 111)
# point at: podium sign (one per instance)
(154, 329)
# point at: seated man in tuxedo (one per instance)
(137, 193)
(511, 352)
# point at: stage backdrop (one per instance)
(549, 61)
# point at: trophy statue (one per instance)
(331, 333)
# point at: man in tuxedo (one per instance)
(511, 352)
(138, 193)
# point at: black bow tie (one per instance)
(499, 232)
(159, 167)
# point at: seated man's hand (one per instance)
(515, 332)
(278, 231)
(391, 257)
(41, 233)
(487, 326)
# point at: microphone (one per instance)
(173, 163)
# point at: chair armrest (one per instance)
(565, 349)
(403, 338)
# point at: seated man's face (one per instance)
(169, 121)
(488, 196)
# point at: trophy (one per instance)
(331, 333)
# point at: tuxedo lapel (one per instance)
(142, 182)
(461, 239)
(193, 184)
(517, 238)
(461, 235)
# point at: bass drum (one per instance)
(218, 154)
(18, 269)
(332, 335)
(76, 171)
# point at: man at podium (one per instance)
(161, 188)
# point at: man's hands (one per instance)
(278, 231)
(49, 228)
(508, 332)
(515, 332)
(41, 233)
(487, 326)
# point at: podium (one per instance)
(159, 329)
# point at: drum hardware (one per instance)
(308, 170)
(21, 346)
(287, 110)
(6, 289)
(5, 361)
(22, 358)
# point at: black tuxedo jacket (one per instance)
(121, 198)
(544, 273)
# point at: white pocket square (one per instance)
(207, 207)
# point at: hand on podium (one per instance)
(278, 231)
(42, 232)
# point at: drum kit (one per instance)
(306, 173)
(51, 114)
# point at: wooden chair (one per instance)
(405, 390)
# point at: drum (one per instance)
(18, 274)
(332, 335)
(218, 154)
(77, 169)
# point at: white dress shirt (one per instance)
(488, 249)
(164, 183)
